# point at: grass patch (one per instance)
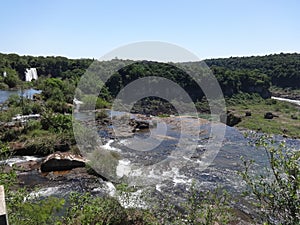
(286, 122)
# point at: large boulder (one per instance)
(230, 118)
(60, 161)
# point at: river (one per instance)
(175, 181)
(296, 102)
(4, 94)
(223, 171)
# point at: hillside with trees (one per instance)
(235, 74)
(59, 77)
(282, 69)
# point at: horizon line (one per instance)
(208, 58)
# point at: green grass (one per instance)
(283, 124)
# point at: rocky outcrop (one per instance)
(60, 161)
(286, 94)
(263, 91)
(139, 124)
(230, 118)
(37, 97)
(38, 147)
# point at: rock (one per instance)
(73, 174)
(248, 113)
(261, 90)
(37, 147)
(59, 161)
(28, 166)
(139, 124)
(294, 117)
(37, 97)
(230, 118)
(269, 115)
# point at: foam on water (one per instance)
(132, 200)
(123, 168)
(111, 189)
(44, 192)
(15, 160)
(108, 146)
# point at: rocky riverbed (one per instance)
(153, 168)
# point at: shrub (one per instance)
(22, 209)
(33, 211)
(14, 100)
(58, 106)
(85, 209)
(277, 186)
(101, 114)
(6, 116)
(200, 207)
(57, 123)
(101, 103)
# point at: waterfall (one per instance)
(4, 74)
(31, 74)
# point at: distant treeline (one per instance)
(235, 75)
(54, 66)
(283, 69)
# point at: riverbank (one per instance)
(271, 116)
(168, 181)
(293, 94)
(172, 183)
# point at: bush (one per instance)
(101, 114)
(14, 100)
(12, 79)
(23, 210)
(58, 106)
(200, 207)
(6, 116)
(244, 99)
(101, 103)
(85, 209)
(271, 101)
(33, 211)
(56, 123)
(277, 187)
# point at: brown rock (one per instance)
(60, 161)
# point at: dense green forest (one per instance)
(282, 69)
(236, 74)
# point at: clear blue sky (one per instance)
(209, 28)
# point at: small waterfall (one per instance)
(4, 74)
(31, 74)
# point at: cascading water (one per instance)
(31, 74)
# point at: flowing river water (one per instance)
(222, 172)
